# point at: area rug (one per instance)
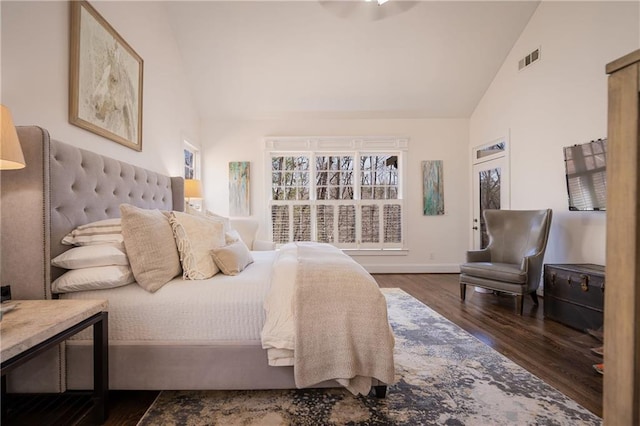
(444, 376)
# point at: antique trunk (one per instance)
(574, 295)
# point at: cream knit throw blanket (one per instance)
(342, 330)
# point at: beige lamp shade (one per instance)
(11, 157)
(192, 188)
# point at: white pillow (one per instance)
(96, 278)
(195, 237)
(100, 232)
(90, 256)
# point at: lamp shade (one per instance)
(10, 151)
(192, 188)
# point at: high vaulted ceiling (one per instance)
(335, 59)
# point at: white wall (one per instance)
(559, 101)
(35, 78)
(447, 140)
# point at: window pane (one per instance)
(334, 177)
(380, 172)
(189, 164)
(367, 193)
(322, 178)
(347, 224)
(301, 223)
(324, 223)
(370, 224)
(280, 223)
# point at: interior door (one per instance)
(490, 186)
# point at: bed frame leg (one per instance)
(381, 391)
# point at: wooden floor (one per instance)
(557, 354)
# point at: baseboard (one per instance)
(394, 268)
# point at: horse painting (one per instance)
(112, 99)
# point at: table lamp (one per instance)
(192, 189)
(11, 157)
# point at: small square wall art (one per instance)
(432, 188)
(239, 189)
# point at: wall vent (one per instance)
(529, 59)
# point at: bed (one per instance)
(152, 345)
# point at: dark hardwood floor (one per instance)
(557, 354)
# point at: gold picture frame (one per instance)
(105, 84)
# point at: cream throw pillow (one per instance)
(196, 236)
(209, 215)
(150, 246)
(232, 258)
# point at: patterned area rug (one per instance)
(444, 376)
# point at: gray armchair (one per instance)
(512, 261)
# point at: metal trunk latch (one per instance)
(584, 282)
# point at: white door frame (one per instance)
(484, 159)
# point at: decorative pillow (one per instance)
(232, 236)
(100, 232)
(210, 215)
(150, 246)
(90, 256)
(232, 258)
(196, 236)
(96, 278)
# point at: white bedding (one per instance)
(222, 308)
(278, 334)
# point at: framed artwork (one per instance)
(239, 190)
(432, 188)
(105, 87)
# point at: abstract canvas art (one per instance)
(105, 90)
(239, 190)
(432, 188)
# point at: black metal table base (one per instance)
(100, 396)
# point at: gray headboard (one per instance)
(60, 188)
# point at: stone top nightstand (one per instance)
(34, 326)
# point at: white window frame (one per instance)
(187, 146)
(196, 203)
(340, 146)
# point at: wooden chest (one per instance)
(574, 295)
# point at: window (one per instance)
(191, 161)
(586, 172)
(348, 194)
(192, 170)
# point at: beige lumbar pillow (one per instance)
(195, 237)
(150, 246)
(232, 258)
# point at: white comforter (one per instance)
(278, 333)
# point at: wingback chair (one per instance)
(512, 261)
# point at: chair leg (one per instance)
(519, 303)
(534, 296)
(463, 291)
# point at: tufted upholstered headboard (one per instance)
(60, 188)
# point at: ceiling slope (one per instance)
(260, 60)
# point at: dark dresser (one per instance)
(574, 294)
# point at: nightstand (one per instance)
(34, 326)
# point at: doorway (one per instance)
(490, 185)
